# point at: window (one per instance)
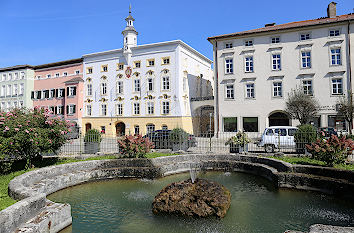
(103, 109)
(305, 36)
(61, 92)
(151, 62)
(89, 89)
(4, 77)
(71, 109)
(3, 90)
(307, 86)
(335, 57)
(136, 108)
(249, 64)
(228, 45)
(150, 128)
(306, 59)
(150, 84)
(52, 93)
(21, 104)
(65, 74)
(150, 108)
(120, 66)
(10, 77)
(9, 90)
(15, 104)
(22, 75)
(52, 109)
(277, 89)
(39, 77)
(49, 75)
(137, 64)
(230, 124)
(337, 86)
(250, 90)
(334, 32)
(60, 110)
(249, 43)
(104, 88)
(15, 90)
(276, 62)
(166, 83)
(165, 60)
(275, 40)
(89, 70)
(229, 66)
(16, 78)
(165, 107)
(57, 75)
(22, 89)
(137, 85)
(88, 110)
(136, 129)
(119, 87)
(185, 80)
(103, 129)
(46, 94)
(250, 124)
(164, 127)
(77, 72)
(119, 109)
(229, 91)
(71, 91)
(104, 68)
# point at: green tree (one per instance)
(346, 109)
(301, 106)
(25, 134)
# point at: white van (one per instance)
(278, 137)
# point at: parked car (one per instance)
(162, 140)
(278, 137)
(327, 131)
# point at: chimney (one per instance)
(332, 10)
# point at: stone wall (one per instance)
(44, 181)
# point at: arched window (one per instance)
(150, 128)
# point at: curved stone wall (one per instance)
(48, 180)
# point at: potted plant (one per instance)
(92, 141)
(238, 143)
(179, 139)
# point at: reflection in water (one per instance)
(256, 206)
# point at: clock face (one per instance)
(128, 72)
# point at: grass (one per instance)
(309, 161)
(6, 200)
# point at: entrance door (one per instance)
(88, 126)
(120, 129)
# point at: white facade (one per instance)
(16, 84)
(163, 76)
(255, 71)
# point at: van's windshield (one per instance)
(280, 132)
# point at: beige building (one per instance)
(256, 69)
(142, 88)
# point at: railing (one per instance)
(202, 143)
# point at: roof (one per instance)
(292, 25)
(60, 63)
(74, 80)
(151, 46)
(17, 67)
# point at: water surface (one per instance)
(256, 206)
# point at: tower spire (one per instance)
(129, 36)
(130, 8)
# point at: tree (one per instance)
(301, 106)
(25, 134)
(346, 109)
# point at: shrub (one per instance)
(178, 135)
(93, 135)
(26, 134)
(239, 139)
(332, 151)
(134, 146)
(306, 134)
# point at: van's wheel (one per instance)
(269, 148)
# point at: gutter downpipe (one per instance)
(349, 67)
(216, 88)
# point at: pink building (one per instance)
(59, 86)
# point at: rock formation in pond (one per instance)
(202, 198)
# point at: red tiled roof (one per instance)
(291, 25)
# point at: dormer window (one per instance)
(334, 32)
(228, 45)
(275, 40)
(305, 36)
(249, 43)
(137, 64)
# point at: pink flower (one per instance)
(6, 128)
(17, 129)
(26, 131)
(1, 123)
(31, 140)
(11, 143)
(36, 142)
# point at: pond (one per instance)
(124, 205)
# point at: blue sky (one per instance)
(42, 31)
